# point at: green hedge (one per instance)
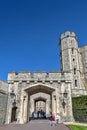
(79, 105)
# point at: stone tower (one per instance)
(70, 58)
(84, 60)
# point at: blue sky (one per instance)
(30, 29)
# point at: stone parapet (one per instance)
(39, 76)
(3, 86)
(68, 34)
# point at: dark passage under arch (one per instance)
(13, 116)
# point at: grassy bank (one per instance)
(75, 127)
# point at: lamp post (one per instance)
(13, 96)
(63, 104)
(63, 99)
(65, 94)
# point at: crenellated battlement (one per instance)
(38, 76)
(68, 34)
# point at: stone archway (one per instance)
(41, 102)
(28, 103)
(39, 107)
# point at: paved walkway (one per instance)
(34, 125)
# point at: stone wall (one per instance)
(84, 60)
(3, 105)
(3, 101)
(3, 86)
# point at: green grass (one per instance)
(75, 127)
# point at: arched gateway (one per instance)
(39, 95)
(34, 93)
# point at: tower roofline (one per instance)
(68, 34)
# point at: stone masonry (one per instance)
(3, 101)
(30, 93)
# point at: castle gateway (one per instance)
(41, 94)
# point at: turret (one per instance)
(69, 57)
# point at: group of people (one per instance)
(41, 114)
(38, 114)
(54, 119)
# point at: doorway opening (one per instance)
(13, 115)
(39, 101)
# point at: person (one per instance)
(57, 118)
(18, 120)
(53, 117)
(52, 123)
(32, 115)
(51, 120)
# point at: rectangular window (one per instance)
(75, 83)
(74, 70)
(72, 50)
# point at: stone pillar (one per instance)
(57, 101)
(9, 113)
(23, 108)
(69, 102)
(25, 112)
(20, 116)
(9, 106)
(53, 103)
(28, 107)
(31, 107)
(47, 108)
